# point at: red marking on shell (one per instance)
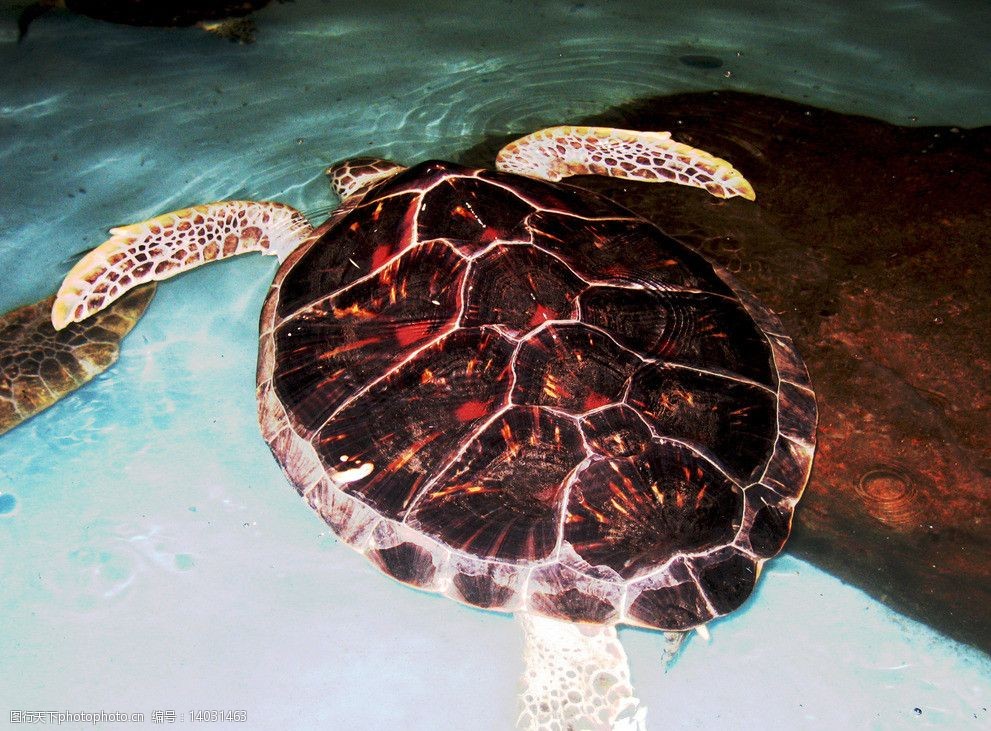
(470, 410)
(381, 255)
(403, 458)
(412, 333)
(541, 315)
(353, 345)
(595, 400)
(489, 235)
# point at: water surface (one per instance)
(154, 557)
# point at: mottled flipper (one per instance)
(236, 30)
(173, 243)
(576, 677)
(558, 152)
(39, 365)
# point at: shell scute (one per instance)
(374, 231)
(731, 420)
(571, 367)
(333, 347)
(789, 467)
(636, 513)
(388, 441)
(564, 592)
(567, 199)
(726, 578)
(487, 585)
(624, 251)
(501, 498)
(770, 523)
(469, 213)
(693, 328)
(670, 602)
(520, 288)
(617, 431)
(403, 559)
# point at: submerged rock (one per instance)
(867, 239)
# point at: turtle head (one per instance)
(347, 177)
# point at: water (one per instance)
(154, 556)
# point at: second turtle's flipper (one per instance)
(558, 152)
(38, 365)
(236, 30)
(173, 243)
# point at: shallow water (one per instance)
(153, 556)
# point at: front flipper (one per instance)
(173, 243)
(39, 365)
(558, 152)
(576, 677)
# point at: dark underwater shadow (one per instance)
(868, 240)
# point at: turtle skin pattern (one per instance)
(523, 395)
(39, 365)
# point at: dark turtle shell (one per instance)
(175, 13)
(523, 395)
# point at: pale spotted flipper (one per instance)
(39, 365)
(576, 677)
(172, 243)
(558, 152)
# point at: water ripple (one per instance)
(33, 110)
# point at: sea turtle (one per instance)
(225, 18)
(516, 392)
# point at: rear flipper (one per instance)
(558, 152)
(576, 677)
(173, 243)
(39, 365)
